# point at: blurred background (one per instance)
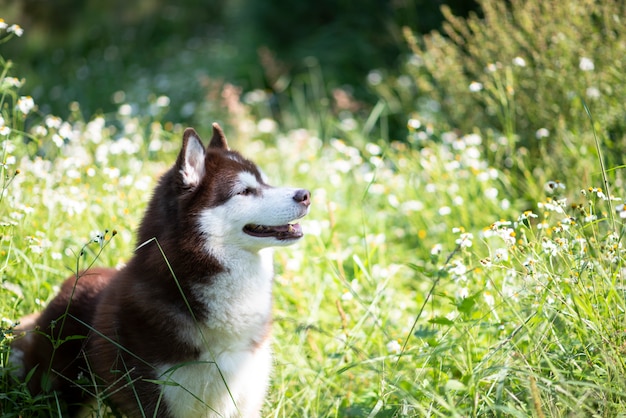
(101, 54)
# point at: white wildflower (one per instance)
(491, 193)
(586, 64)
(465, 240)
(375, 77)
(16, 29)
(267, 126)
(489, 299)
(459, 271)
(592, 93)
(553, 186)
(445, 210)
(12, 82)
(162, 101)
(436, 250)
(53, 122)
(542, 133)
(125, 110)
(394, 347)
(58, 140)
(414, 124)
(501, 254)
(549, 247)
(40, 130)
(519, 61)
(25, 104)
(475, 86)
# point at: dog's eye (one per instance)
(247, 191)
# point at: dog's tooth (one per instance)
(291, 229)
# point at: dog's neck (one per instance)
(239, 299)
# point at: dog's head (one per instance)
(216, 195)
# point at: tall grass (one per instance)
(428, 283)
(523, 71)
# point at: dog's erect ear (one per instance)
(219, 139)
(190, 161)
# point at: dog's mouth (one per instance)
(282, 232)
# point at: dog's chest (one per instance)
(238, 301)
(231, 383)
(231, 375)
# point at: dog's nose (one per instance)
(302, 196)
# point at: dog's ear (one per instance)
(218, 140)
(190, 161)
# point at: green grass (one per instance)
(426, 284)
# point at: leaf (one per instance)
(416, 267)
(425, 332)
(161, 382)
(455, 385)
(71, 338)
(441, 320)
(466, 305)
(30, 374)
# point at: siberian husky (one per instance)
(183, 330)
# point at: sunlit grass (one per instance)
(426, 284)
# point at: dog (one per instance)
(183, 330)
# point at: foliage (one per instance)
(525, 70)
(348, 39)
(104, 54)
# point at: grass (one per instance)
(426, 284)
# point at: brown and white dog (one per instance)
(183, 329)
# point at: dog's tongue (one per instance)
(281, 232)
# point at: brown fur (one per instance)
(140, 317)
(120, 320)
(148, 277)
(57, 368)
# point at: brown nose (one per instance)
(302, 196)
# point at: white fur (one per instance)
(248, 180)
(233, 376)
(23, 331)
(235, 345)
(193, 165)
(16, 363)
(239, 300)
(273, 207)
(245, 372)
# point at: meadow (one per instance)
(460, 271)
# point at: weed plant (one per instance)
(523, 70)
(426, 284)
